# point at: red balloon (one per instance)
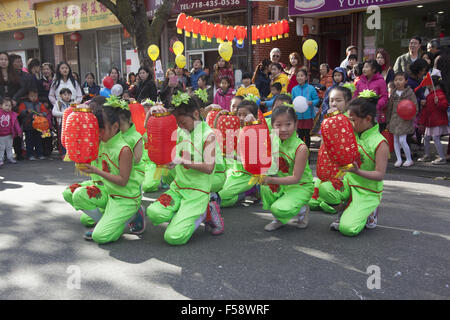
(108, 82)
(406, 109)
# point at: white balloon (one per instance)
(116, 90)
(300, 104)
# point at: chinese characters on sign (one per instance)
(15, 15)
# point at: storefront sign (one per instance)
(15, 14)
(300, 7)
(195, 5)
(72, 15)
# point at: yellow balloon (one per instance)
(226, 50)
(153, 52)
(180, 60)
(310, 48)
(178, 47)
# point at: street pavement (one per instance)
(43, 254)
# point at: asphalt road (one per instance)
(44, 256)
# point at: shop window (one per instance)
(277, 13)
(108, 51)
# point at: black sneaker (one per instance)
(88, 235)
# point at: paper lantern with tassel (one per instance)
(254, 34)
(66, 114)
(41, 124)
(203, 29)
(189, 26)
(181, 23)
(161, 143)
(261, 35)
(326, 169)
(255, 150)
(230, 33)
(210, 31)
(82, 136)
(285, 24)
(228, 124)
(138, 116)
(340, 141)
(195, 28)
(273, 31)
(279, 28)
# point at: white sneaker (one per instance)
(41, 158)
(32, 158)
(1, 163)
(274, 225)
(12, 161)
(303, 217)
(398, 163)
(408, 163)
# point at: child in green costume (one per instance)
(237, 184)
(326, 197)
(121, 182)
(287, 190)
(187, 203)
(365, 182)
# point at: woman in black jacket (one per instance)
(146, 87)
(261, 78)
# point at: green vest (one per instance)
(193, 143)
(286, 161)
(368, 143)
(109, 161)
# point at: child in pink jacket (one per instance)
(9, 129)
(225, 94)
(371, 79)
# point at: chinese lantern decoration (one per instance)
(75, 37)
(285, 24)
(260, 33)
(228, 125)
(230, 33)
(255, 150)
(340, 141)
(279, 28)
(195, 28)
(181, 23)
(210, 31)
(212, 116)
(189, 26)
(66, 114)
(138, 116)
(18, 35)
(41, 124)
(254, 34)
(326, 169)
(273, 31)
(203, 29)
(161, 143)
(82, 136)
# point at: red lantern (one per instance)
(82, 136)
(211, 117)
(66, 114)
(238, 34)
(18, 35)
(181, 23)
(108, 82)
(340, 141)
(222, 32)
(217, 31)
(406, 109)
(279, 28)
(210, 31)
(230, 33)
(228, 125)
(189, 26)
(261, 34)
(138, 116)
(255, 150)
(265, 33)
(326, 169)
(285, 24)
(390, 139)
(255, 34)
(272, 31)
(305, 30)
(195, 27)
(41, 124)
(160, 129)
(203, 29)
(75, 36)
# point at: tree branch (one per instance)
(110, 5)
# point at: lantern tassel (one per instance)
(66, 158)
(78, 171)
(341, 173)
(256, 179)
(161, 170)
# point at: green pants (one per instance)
(118, 212)
(235, 184)
(286, 202)
(362, 204)
(68, 197)
(150, 184)
(182, 207)
(168, 177)
(328, 196)
(218, 181)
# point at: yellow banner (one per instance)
(16, 14)
(74, 15)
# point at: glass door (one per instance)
(194, 55)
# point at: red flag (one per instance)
(425, 82)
